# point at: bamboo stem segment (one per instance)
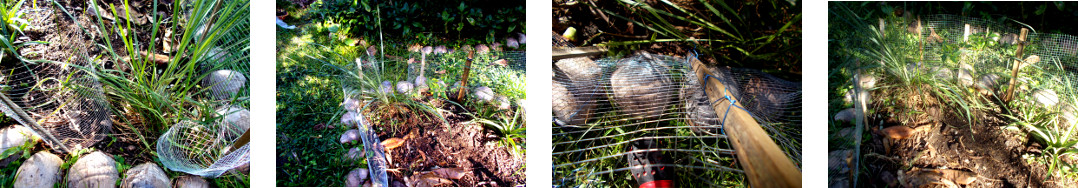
(464, 79)
(1017, 64)
(763, 161)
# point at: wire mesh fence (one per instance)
(955, 53)
(68, 103)
(610, 111)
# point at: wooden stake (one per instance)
(464, 79)
(563, 53)
(1017, 63)
(921, 39)
(243, 140)
(762, 160)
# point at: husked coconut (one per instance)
(847, 115)
(41, 170)
(96, 169)
(224, 84)
(484, 93)
(189, 181)
(404, 87)
(145, 175)
(641, 87)
(386, 87)
(570, 107)
(965, 74)
(987, 84)
(512, 43)
(1046, 97)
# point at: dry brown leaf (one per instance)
(156, 58)
(392, 143)
(501, 62)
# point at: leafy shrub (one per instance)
(468, 19)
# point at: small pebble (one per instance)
(386, 87)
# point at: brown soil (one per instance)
(947, 141)
(430, 144)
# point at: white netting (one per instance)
(613, 109)
(204, 150)
(66, 102)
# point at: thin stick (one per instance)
(243, 140)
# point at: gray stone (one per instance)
(441, 50)
(523, 38)
(482, 49)
(145, 175)
(96, 169)
(484, 93)
(349, 118)
(1068, 112)
(351, 104)
(224, 84)
(421, 83)
(190, 181)
(41, 170)
(837, 162)
(867, 81)
(988, 82)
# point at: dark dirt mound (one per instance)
(430, 144)
(947, 141)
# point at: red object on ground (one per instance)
(658, 184)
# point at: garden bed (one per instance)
(429, 144)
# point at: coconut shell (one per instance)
(572, 105)
(96, 169)
(145, 175)
(483, 93)
(349, 136)
(641, 87)
(224, 84)
(190, 181)
(41, 170)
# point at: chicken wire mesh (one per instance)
(206, 148)
(201, 149)
(608, 110)
(67, 103)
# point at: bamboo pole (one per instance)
(1017, 64)
(243, 140)
(762, 160)
(464, 80)
(564, 53)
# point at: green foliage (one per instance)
(510, 129)
(468, 19)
